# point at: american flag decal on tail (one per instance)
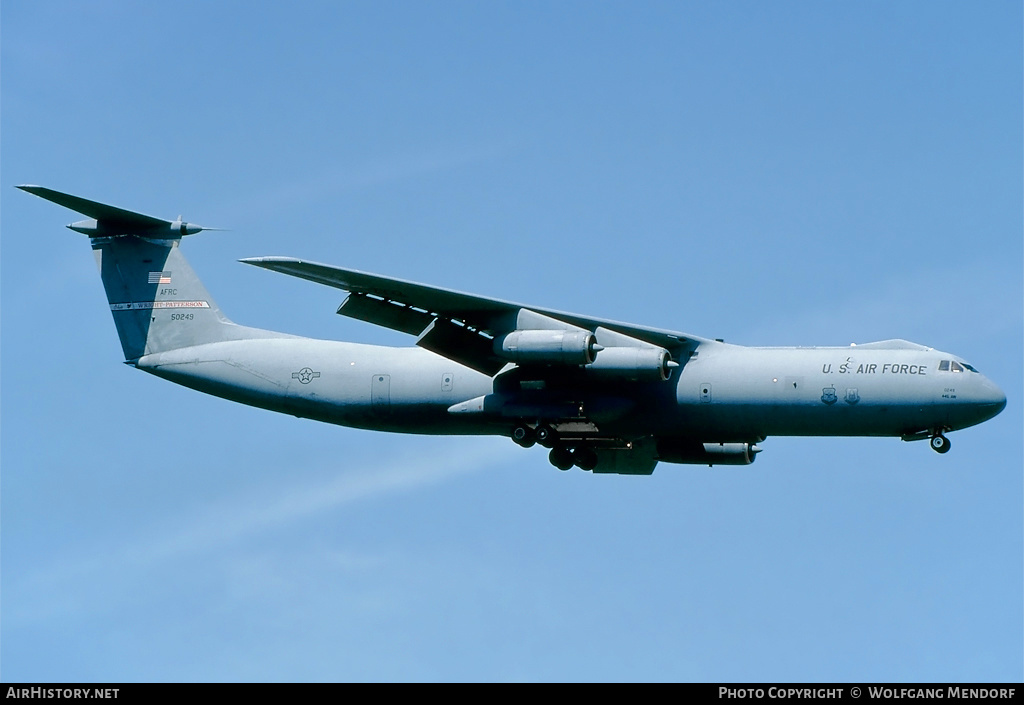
(159, 277)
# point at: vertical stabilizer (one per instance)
(156, 299)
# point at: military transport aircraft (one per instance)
(601, 395)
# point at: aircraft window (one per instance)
(970, 368)
(955, 366)
(944, 366)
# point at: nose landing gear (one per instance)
(939, 443)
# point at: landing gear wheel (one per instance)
(523, 435)
(544, 434)
(561, 457)
(940, 444)
(584, 458)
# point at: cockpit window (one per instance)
(970, 368)
(954, 366)
(944, 366)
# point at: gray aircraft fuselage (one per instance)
(724, 393)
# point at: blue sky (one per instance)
(769, 173)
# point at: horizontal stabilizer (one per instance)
(99, 211)
(110, 220)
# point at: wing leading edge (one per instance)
(459, 326)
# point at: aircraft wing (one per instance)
(457, 325)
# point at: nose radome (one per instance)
(992, 401)
(998, 400)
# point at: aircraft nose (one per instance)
(991, 401)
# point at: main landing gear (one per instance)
(939, 443)
(526, 437)
(561, 456)
(564, 458)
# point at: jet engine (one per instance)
(646, 364)
(547, 347)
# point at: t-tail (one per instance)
(157, 301)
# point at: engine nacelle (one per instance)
(639, 364)
(694, 453)
(547, 347)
